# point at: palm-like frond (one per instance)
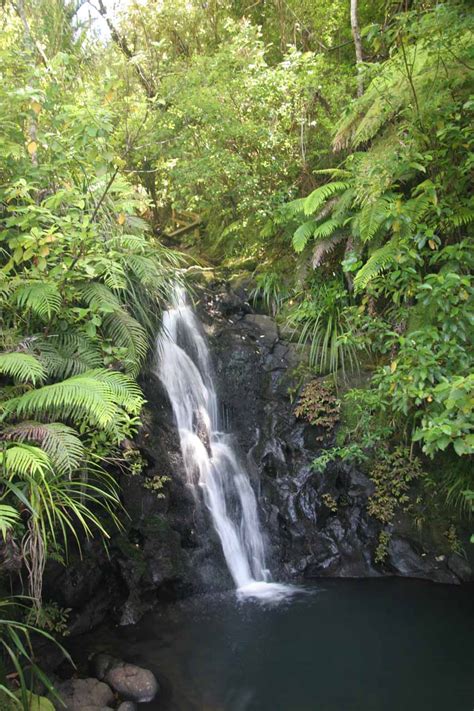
(42, 298)
(60, 442)
(22, 366)
(96, 397)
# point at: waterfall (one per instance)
(211, 465)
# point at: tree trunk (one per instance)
(358, 47)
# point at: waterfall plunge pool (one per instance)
(346, 645)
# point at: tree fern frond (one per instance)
(24, 460)
(41, 298)
(326, 229)
(294, 208)
(324, 247)
(96, 397)
(302, 235)
(373, 215)
(126, 332)
(22, 366)
(59, 441)
(464, 216)
(144, 268)
(67, 354)
(377, 263)
(9, 517)
(318, 197)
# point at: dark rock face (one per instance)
(306, 537)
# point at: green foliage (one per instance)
(392, 473)
(323, 324)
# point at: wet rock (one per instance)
(131, 682)
(83, 695)
(127, 706)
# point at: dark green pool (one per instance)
(391, 645)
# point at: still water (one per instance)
(388, 645)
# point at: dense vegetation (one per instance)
(337, 177)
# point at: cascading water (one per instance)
(210, 462)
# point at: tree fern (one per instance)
(60, 442)
(324, 247)
(380, 260)
(96, 397)
(373, 215)
(318, 197)
(9, 517)
(22, 366)
(326, 229)
(24, 460)
(302, 235)
(41, 298)
(66, 354)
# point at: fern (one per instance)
(372, 216)
(9, 517)
(24, 460)
(302, 235)
(118, 325)
(326, 229)
(22, 366)
(66, 354)
(294, 208)
(325, 247)
(96, 397)
(41, 298)
(379, 261)
(318, 197)
(60, 442)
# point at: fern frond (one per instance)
(294, 208)
(9, 517)
(464, 216)
(325, 247)
(379, 261)
(24, 460)
(41, 298)
(59, 441)
(318, 197)
(326, 229)
(96, 397)
(22, 366)
(66, 354)
(302, 235)
(372, 216)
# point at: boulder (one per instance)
(127, 706)
(83, 695)
(131, 682)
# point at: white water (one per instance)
(210, 462)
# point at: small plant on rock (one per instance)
(319, 406)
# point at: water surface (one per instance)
(387, 645)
